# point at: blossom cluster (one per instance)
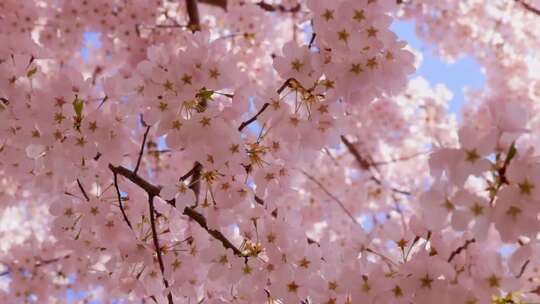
(213, 151)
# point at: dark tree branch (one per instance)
(156, 245)
(263, 5)
(393, 189)
(82, 190)
(153, 191)
(190, 172)
(246, 123)
(219, 3)
(278, 8)
(193, 13)
(312, 40)
(254, 118)
(195, 183)
(529, 7)
(141, 151)
(37, 265)
(121, 205)
(522, 270)
(136, 179)
(460, 249)
(201, 220)
(332, 196)
(366, 165)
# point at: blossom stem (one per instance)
(156, 245)
(82, 190)
(141, 151)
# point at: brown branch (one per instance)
(366, 165)
(82, 190)
(393, 189)
(219, 3)
(156, 245)
(136, 179)
(201, 220)
(529, 7)
(141, 151)
(398, 159)
(265, 106)
(195, 183)
(190, 172)
(522, 270)
(312, 40)
(460, 249)
(278, 8)
(263, 5)
(153, 191)
(332, 196)
(287, 83)
(254, 118)
(37, 265)
(121, 205)
(193, 13)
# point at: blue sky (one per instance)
(465, 72)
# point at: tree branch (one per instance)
(82, 190)
(266, 105)
(460, 249)
(141, 151)
(195, 183)
(153, 191)
(156, 245)
(522, 270)
(529, 7)
(126, 219)
(193, 13)
(201, 220)
(190, 172)
(254, 118)
(263, 5)
(366, 165)
(219, 3)
(333, 197)
(136, 179)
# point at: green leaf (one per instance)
(78, 105)
(31, 72)
(511, 153)
(205, 94)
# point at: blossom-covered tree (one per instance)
(276, 151)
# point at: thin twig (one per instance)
(193, 13)
(332, 196)
(522, 270)
(190, 172)
(312, 40)
(529, 7)
(201, 220)
(153, 191)
(263, 5)
(156, 246)
(254, 118)
(126, 219)
(82, 190)
(398, 159)
(195, 183)
(366, 165)
(460, 249)
(141, 151)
